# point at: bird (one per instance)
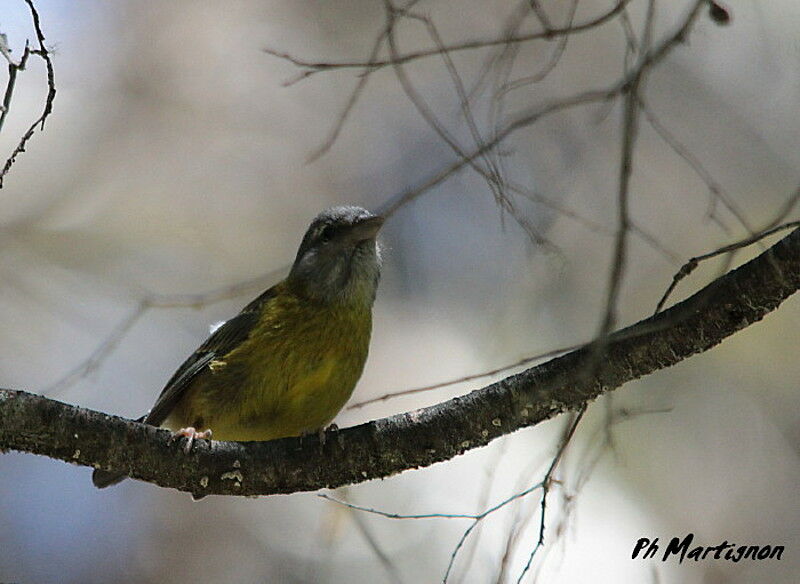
(289, 361)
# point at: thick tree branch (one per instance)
(415, 439)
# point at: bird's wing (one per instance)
(223, 340)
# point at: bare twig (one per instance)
(544, 19)
(716, 191)
(562, 210)
(526, 119)
(491, 174)
(546, 483)
(358, 90)
(690, 266)
(505, 65)
(391, 569)
(320, 66)
(351, 101)
(448, 383)
(502, 58)
(631, 42)
(42, 52)
(551, 63)
(476, 518)
(107, 346)
(13, 68)
(523, 515)
(490, 475)
(389, 515)
(529, 117)
(586, 466)
(629, 132)
(496, 182)
(100, 354)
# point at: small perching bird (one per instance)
(288, 362)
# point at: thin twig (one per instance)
(629, 132)
(716, 191)
(358, 90)
(492, 176)
(533, 115)
(42, 52)
(524, 516)
(475, 517)
(690, 265)
(319, 66)
(13, 68)
(505, 54)
(546, 484)
(464, 379)
(496, 184)
(389, 515)
(391, 569)
(544, 19)
(110, 342)
(525, 120)
(506, 61)
(490, 474)
(361, 84)
(551, 63)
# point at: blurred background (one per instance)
(176, 162)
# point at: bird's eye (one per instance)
(326, 234)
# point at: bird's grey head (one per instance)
(339, 258)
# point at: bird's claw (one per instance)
(190, 434)
(322, 434)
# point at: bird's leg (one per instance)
(190, 434)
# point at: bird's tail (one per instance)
(105, 478)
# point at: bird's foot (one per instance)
(190, 434)
(322, 434)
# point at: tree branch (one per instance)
(414, 439)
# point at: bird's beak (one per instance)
(365, 229)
